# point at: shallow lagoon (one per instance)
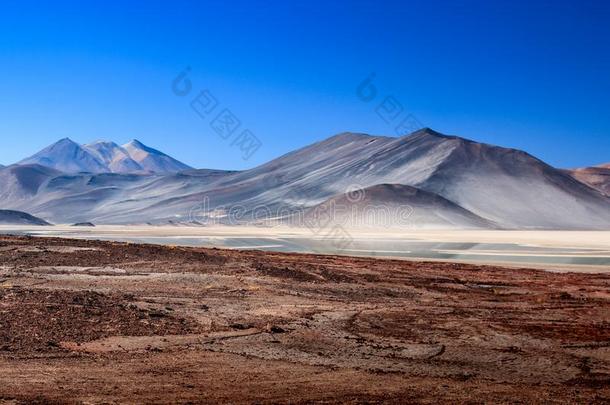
(552, 250)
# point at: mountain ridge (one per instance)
(597, 177)
(105, 157)
(507, 187)
(115, 157)
(11, 217)
(153, 160)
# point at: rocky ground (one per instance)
(88, 321)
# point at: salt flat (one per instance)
(583, 251)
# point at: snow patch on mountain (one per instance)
(105, 157)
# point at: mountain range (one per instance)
(105, 157)
(443, 181)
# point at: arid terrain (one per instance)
(105, 322)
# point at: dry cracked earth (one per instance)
(104, 322)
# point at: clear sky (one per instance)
(533, 75)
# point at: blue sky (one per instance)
(531, 75)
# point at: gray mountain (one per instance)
(67, 156)
(22, 182)
(392, 206)
(105, 157)
(9, 217)
(505, 187)
(115, 158)
(100, 198)
(153, 160)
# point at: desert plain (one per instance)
(89, 321)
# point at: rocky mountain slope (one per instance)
(597, 177)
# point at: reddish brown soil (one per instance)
(38, 320)
(103, 322)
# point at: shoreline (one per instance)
(577, 251)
